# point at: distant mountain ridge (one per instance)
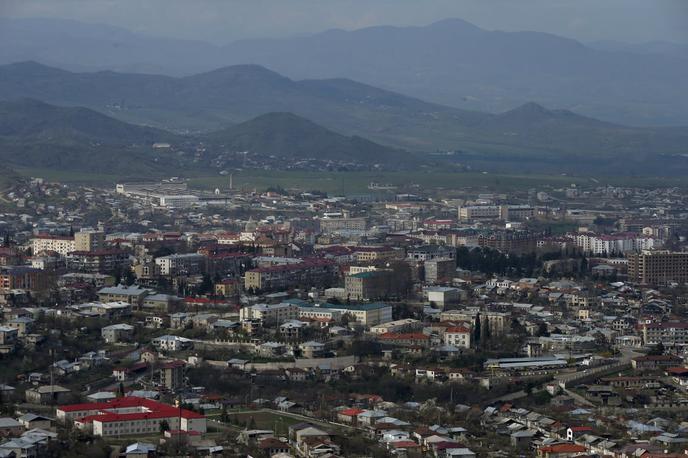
(37, 134)
(30, 118)
(451, 62)
(231, 95)
(289, 135)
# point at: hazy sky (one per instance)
(222, 21)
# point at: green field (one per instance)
(357, 182)
(265, 420)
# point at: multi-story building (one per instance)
(56, 243)
(439, 270)
(658, 267)
(669, 333)
(89, 241)
(131, 416)
(614, 244)
(365, 314)
(457, 336)
(431, 252)
(270, 313)
(181, 264)
(339, 223)
(374, 284)
(516, 212)
(9, 256)
(501, 212)
(117, 332)
(172, 374)
(509, 241)
(499, 322)
(374, 253)
(130, 294)
(99, 261)
(22, 277)
(478, 212)
(311, 272)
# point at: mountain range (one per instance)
(37, 134)
(451, 62)
(220, 98)
(290, 136)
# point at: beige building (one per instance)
(89, 241)
(404, 325)
(658, 267)
(375, 253)
(499, 322)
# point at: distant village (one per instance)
(156, 319)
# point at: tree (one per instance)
(486, 332)
(657, 349)
(164, 426)
(476, 330)
(542, 330)
(206, 285)
(129, 277)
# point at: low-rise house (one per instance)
(413, 339)
(349, 415)
(115, 333)
(10, 427)
(32, 421)
(48, 394)
(171, 343)
(563, 450)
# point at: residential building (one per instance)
(172, 374)
(48, 394)
(374, 284)
(89, 240)
(117, 333)
(311, 272)
(98, 261)
(23, 277)
(658, 267)
(59, 244)
(181, 264)
(270, 313)
(133, 295)
(457, 336)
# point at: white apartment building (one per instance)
(615, 243)
(60, 244)
(270, 313)
(458, 336)
(177, 264)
